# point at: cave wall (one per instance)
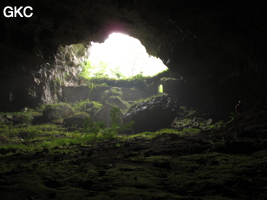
(217, 47)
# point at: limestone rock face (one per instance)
(73, 94)
(57, 112)
(153, 114)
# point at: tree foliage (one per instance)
(100, 70)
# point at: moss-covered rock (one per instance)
(22, 118)
(118, 102)
(56, 111)
(16, 118)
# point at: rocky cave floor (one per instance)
(229, 163)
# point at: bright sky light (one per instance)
(127, 54)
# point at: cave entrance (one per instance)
(121, 57)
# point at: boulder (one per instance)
(103, 115)
(75, 120)
(59, 111)
(153, 114)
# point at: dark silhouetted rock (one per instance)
(153, 114)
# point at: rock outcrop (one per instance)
(153, 114)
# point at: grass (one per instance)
(25, 138)
(165, 132)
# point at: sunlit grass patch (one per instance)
(29, 132)
(166, 131)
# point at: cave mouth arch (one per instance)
(122, 56)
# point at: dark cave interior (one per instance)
(217, 47)
(215, 54)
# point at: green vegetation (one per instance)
(87, 106)
(92, 127)
(17, 138)
(99, 71)
(137, 79)
(20, 134)
(33, 138)
(146, 99)
(115, 116)
(22, 118)
(114, 91)
(17, 118)
(58, 104)
(97, 130)
(165, 132)
(91, 87)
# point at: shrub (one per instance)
(87, 105)
(95, 128)
(116, 125)
(114, 91)
(92, 127)
(115, 116)
(109, 133)
(90, 70)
